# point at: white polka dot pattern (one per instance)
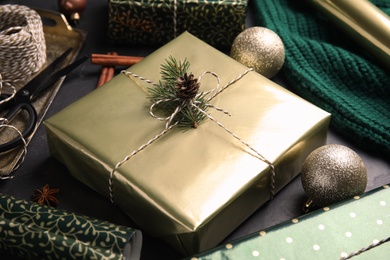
(343, 230)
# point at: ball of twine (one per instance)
(22, 43)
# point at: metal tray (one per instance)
(59, 36)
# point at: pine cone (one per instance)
(187, 86)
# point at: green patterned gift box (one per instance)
(30, 230)
(155, 23)
(358, 228)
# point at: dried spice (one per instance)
(46, 196)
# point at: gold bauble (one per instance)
(332, 173)
(259, 48)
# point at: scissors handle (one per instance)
(23, 97)
(32, 115)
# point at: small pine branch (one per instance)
(166, 89)
(172, 70)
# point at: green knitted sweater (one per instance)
(328, 69)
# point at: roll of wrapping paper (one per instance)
(363, 21)
(30, 230)
(356, 228)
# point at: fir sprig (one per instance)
(171, 70)
(167, 90)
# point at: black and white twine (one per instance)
(174, 18)
(362, 250)
(4, 124)
(22, 43)
(170, 125)
(22, 53)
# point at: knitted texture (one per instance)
(329, 69)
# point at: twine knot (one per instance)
(178, 95)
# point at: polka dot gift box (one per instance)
(356, 228)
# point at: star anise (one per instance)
(46, 196)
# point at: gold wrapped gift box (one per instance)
(190, 187)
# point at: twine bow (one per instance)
(198, 103)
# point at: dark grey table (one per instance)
(40, 168)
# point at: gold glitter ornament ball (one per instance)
(259, 48)
(332, 173)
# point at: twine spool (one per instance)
(22, 53)
(22, 43)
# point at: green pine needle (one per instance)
(189, 116)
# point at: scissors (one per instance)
(22, 99)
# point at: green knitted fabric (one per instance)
(327, 68)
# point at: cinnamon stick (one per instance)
(107, 72)
(114, 60)
(103, 77)
(111, 69)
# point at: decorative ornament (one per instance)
(259, 48)
(46, 196)
(332, 173)
(72, 9)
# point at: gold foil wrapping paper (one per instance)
(191, 187)
(363, 21)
